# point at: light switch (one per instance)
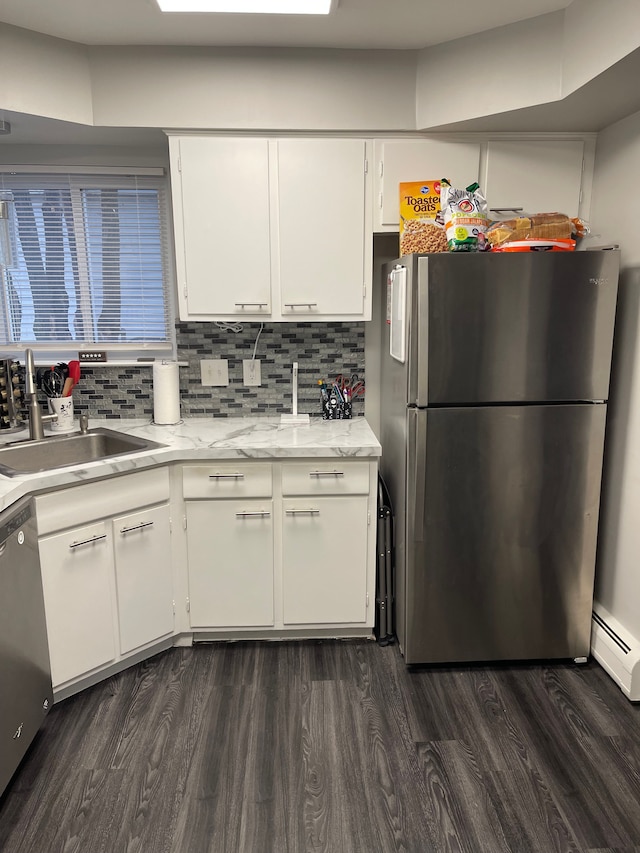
(251, 371)
(214, 371)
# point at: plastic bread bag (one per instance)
(560, 245)
(539, 226)
(465, 217)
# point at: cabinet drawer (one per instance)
(100, 499)
(331, 477)
(227, 480)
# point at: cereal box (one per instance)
(419, 211)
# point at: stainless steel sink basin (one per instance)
(29, 457)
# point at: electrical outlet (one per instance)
(214, 371)
(251, 371)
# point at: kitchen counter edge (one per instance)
(202, 439)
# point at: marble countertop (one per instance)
(202, 439)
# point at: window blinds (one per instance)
(88, 262)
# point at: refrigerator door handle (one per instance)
(420, 475)
(420, 323)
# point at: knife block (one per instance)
(12, 413)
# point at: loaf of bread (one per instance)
(541, 226)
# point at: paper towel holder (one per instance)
(166, 409)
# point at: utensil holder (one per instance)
(334, 409)
(63, 408)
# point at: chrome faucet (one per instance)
(36, 418)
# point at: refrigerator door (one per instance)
(504, 328)
(500, 532)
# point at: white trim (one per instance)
(119, 171)
(617, 651)
(453, 135)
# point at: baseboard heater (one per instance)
(617, 651)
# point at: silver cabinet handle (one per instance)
(88, 541)
(260, 514)
(144, 524)
(259, 305)
(506, 209)
(226, 476)
(302, 511)
(300, 304)
(326, 473)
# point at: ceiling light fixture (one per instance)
(251, 7)
(5, 127)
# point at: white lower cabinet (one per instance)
(280, 546)
(144, 583)
(77, 571)
(107, 583)
(264, 547)
(324, 560)
(230, 555)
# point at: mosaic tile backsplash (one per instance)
(322, 350)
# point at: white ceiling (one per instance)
(366, 24)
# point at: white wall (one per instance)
(525, 64)
(508, 68)
(615, 188)
(85, 155)
(533, 62)
(345, 90)
(597, 33)
(44, 76)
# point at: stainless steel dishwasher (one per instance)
(25, 675)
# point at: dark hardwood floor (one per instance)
(331, 746)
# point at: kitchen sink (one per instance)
(30, 457)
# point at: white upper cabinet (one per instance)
(276, 229)
(220, 190)
(535, 176)
(322, 242)
(399, 160)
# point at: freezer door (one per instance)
(502, 514)
(503, 328)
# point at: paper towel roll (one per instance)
(166, 392)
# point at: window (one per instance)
(85, 263)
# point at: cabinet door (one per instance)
(142, 545)
(221, 218)
(400, 160)
(324, 556)
(535, 176)
(230, 557)
(77, 570)
(323, 244)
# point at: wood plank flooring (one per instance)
(331, 746)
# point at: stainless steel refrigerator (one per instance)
(495, 377)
